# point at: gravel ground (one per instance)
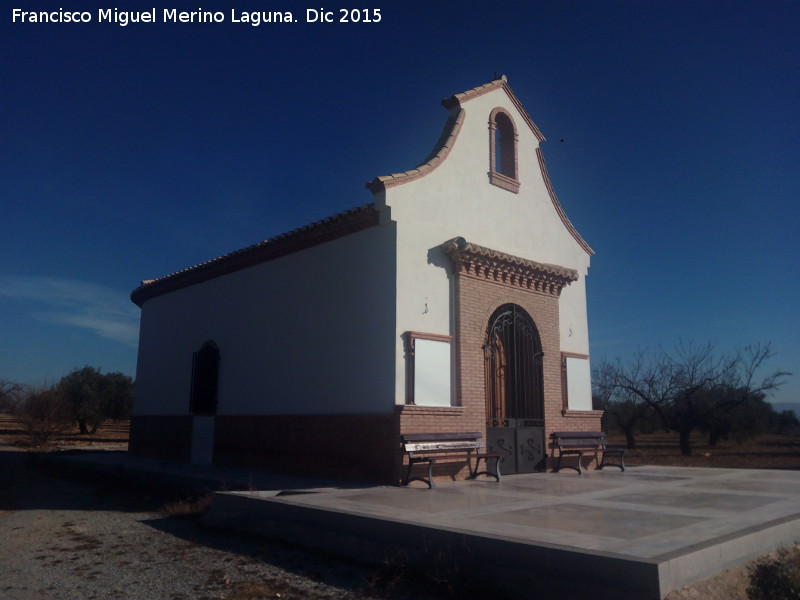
(65, 539)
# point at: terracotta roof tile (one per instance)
(327, 229)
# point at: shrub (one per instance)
(44, 415)
(194, 506)
(775, 578)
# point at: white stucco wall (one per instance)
(308, 333)
(456, 199)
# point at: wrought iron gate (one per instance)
(514, 390)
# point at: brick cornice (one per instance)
(479, 262)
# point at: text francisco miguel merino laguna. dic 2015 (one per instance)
(173, 15)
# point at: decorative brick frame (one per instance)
(485, 279)
(507, 181)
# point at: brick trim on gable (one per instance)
(476, 92)
(557, 205)
(437, 156)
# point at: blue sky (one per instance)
(128, 153)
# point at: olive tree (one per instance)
(94, 397)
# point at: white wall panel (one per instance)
(432, 373)
(579, 384)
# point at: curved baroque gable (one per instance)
(450, 134)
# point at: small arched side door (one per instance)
(205, 379)
(203, 403)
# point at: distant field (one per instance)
(110, 432)
(762, 452)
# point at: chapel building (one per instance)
(455, 301)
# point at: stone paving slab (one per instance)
(637, 534)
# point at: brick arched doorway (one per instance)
(514, 389)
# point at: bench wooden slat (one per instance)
(582, 443)
(575, 442)
(429, 446)
(416, 437)
(447, 446)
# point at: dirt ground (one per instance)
(75, 536)
(69, 538)
(111, 434)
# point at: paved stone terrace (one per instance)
(603, 534)
(637, 534)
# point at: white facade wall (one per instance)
(308, 333)
(457, 199)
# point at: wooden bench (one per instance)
(575, 443)
(434, 447)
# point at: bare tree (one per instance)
(44, 414)
(624, 408)
(690, 386)
(10, 395)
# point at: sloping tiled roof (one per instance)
(339, 225)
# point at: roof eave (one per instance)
(334, 227)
